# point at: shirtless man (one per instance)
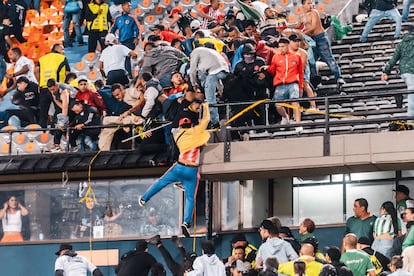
(294, 47)
(312, 26)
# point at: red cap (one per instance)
(174, 11)
(184, 121)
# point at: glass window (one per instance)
(56, 213)
(230, 205)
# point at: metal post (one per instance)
(227, 145)
(326, 135)
(208, 209)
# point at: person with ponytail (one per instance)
(386, 228)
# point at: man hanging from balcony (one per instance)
(189, 140)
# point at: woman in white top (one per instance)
(11, 216)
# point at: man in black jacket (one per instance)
(136, 262)
(332, 256)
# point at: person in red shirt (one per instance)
(166, 35)
(178, 84)
(89, 97)
(287, 70)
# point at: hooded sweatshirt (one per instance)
(161, 61)
(405, 54)
(208, 265)
(275, 247)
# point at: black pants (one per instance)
(131, 45)
(93, 38)
(117, 76)
(45, 99)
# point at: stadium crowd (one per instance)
(371, 245)
(233, 57)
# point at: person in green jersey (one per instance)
(357, 260)
(362, 223)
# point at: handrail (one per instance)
(326, 124)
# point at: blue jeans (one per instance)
(3, 68)
(323, 50)
(209, 83)
(409, 80)
(15, 121)
(75, 18)
(383, 246)
(311, 56)
(286, 92)
(406, 10)
(188, 176)
(377, 15)
(36, 4)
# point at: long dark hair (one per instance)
(299, 267)
(388, 206)
(8, 206)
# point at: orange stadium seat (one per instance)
(151, 20)
(44, 5)
(35, 53)
(49, 12)
(200, 6)
(94, 75)
(321, 8)
(56, 19)
(56, 36)
(291, 18)
(327, 1)
(138, 12)
(146, 5)
(298, 10)
(30, 14)
(5, 147)
(284, 2)
(165, 3)
(187, 3)
(20, 138)
(81, 66)
(33, 133)
(44, 138)
(39, 21)
(159, 10)
(31, 147)
(222, 6)
(35, 37)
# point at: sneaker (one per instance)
(179, 185)
(340, 82)
(212, 125)
(299, 129)
(178, 242)
(140, 201)
(185, 227)
(155, 240)
(56, 149)
(285, 121)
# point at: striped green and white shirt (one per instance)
(383, 225)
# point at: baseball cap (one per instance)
(63, 246)
(174, 11)
(141, 245)
(294, 37)
(184, 121)
(157, 27)
(110, 38)
(328, 270)
(238, 237)
(267, 224)
(364, 240)
(333, 252)
(195, 24)
(82, 78)
(403, 189)
(237, 264)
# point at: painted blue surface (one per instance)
(39, 259)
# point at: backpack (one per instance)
(377, 264)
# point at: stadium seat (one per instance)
(90, 59)
(164, 3)
(20, 138)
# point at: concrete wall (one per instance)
(275, 158)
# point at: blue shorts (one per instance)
(286, 92)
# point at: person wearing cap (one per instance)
(379, 260)
(70, 263)
(287, 70)
(136, 262)
(404, 54)
(358, 261)
(362, 222)
(402, 197)
(98, 18)
(273, 246)
(208, 264)
(90, 97)
(112, 61)
(189, 140)
(332, 257)
(242, 250)
(294, 46)
(312, 26)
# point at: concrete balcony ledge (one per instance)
(304, 156)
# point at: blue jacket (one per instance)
(127, 26)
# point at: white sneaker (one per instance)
(285, 121)
(299, 129)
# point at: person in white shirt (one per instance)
(208, 264)
(24, 67)
(112, 61)
(69, 263)
(11, 217)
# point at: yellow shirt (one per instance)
(313, 268)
